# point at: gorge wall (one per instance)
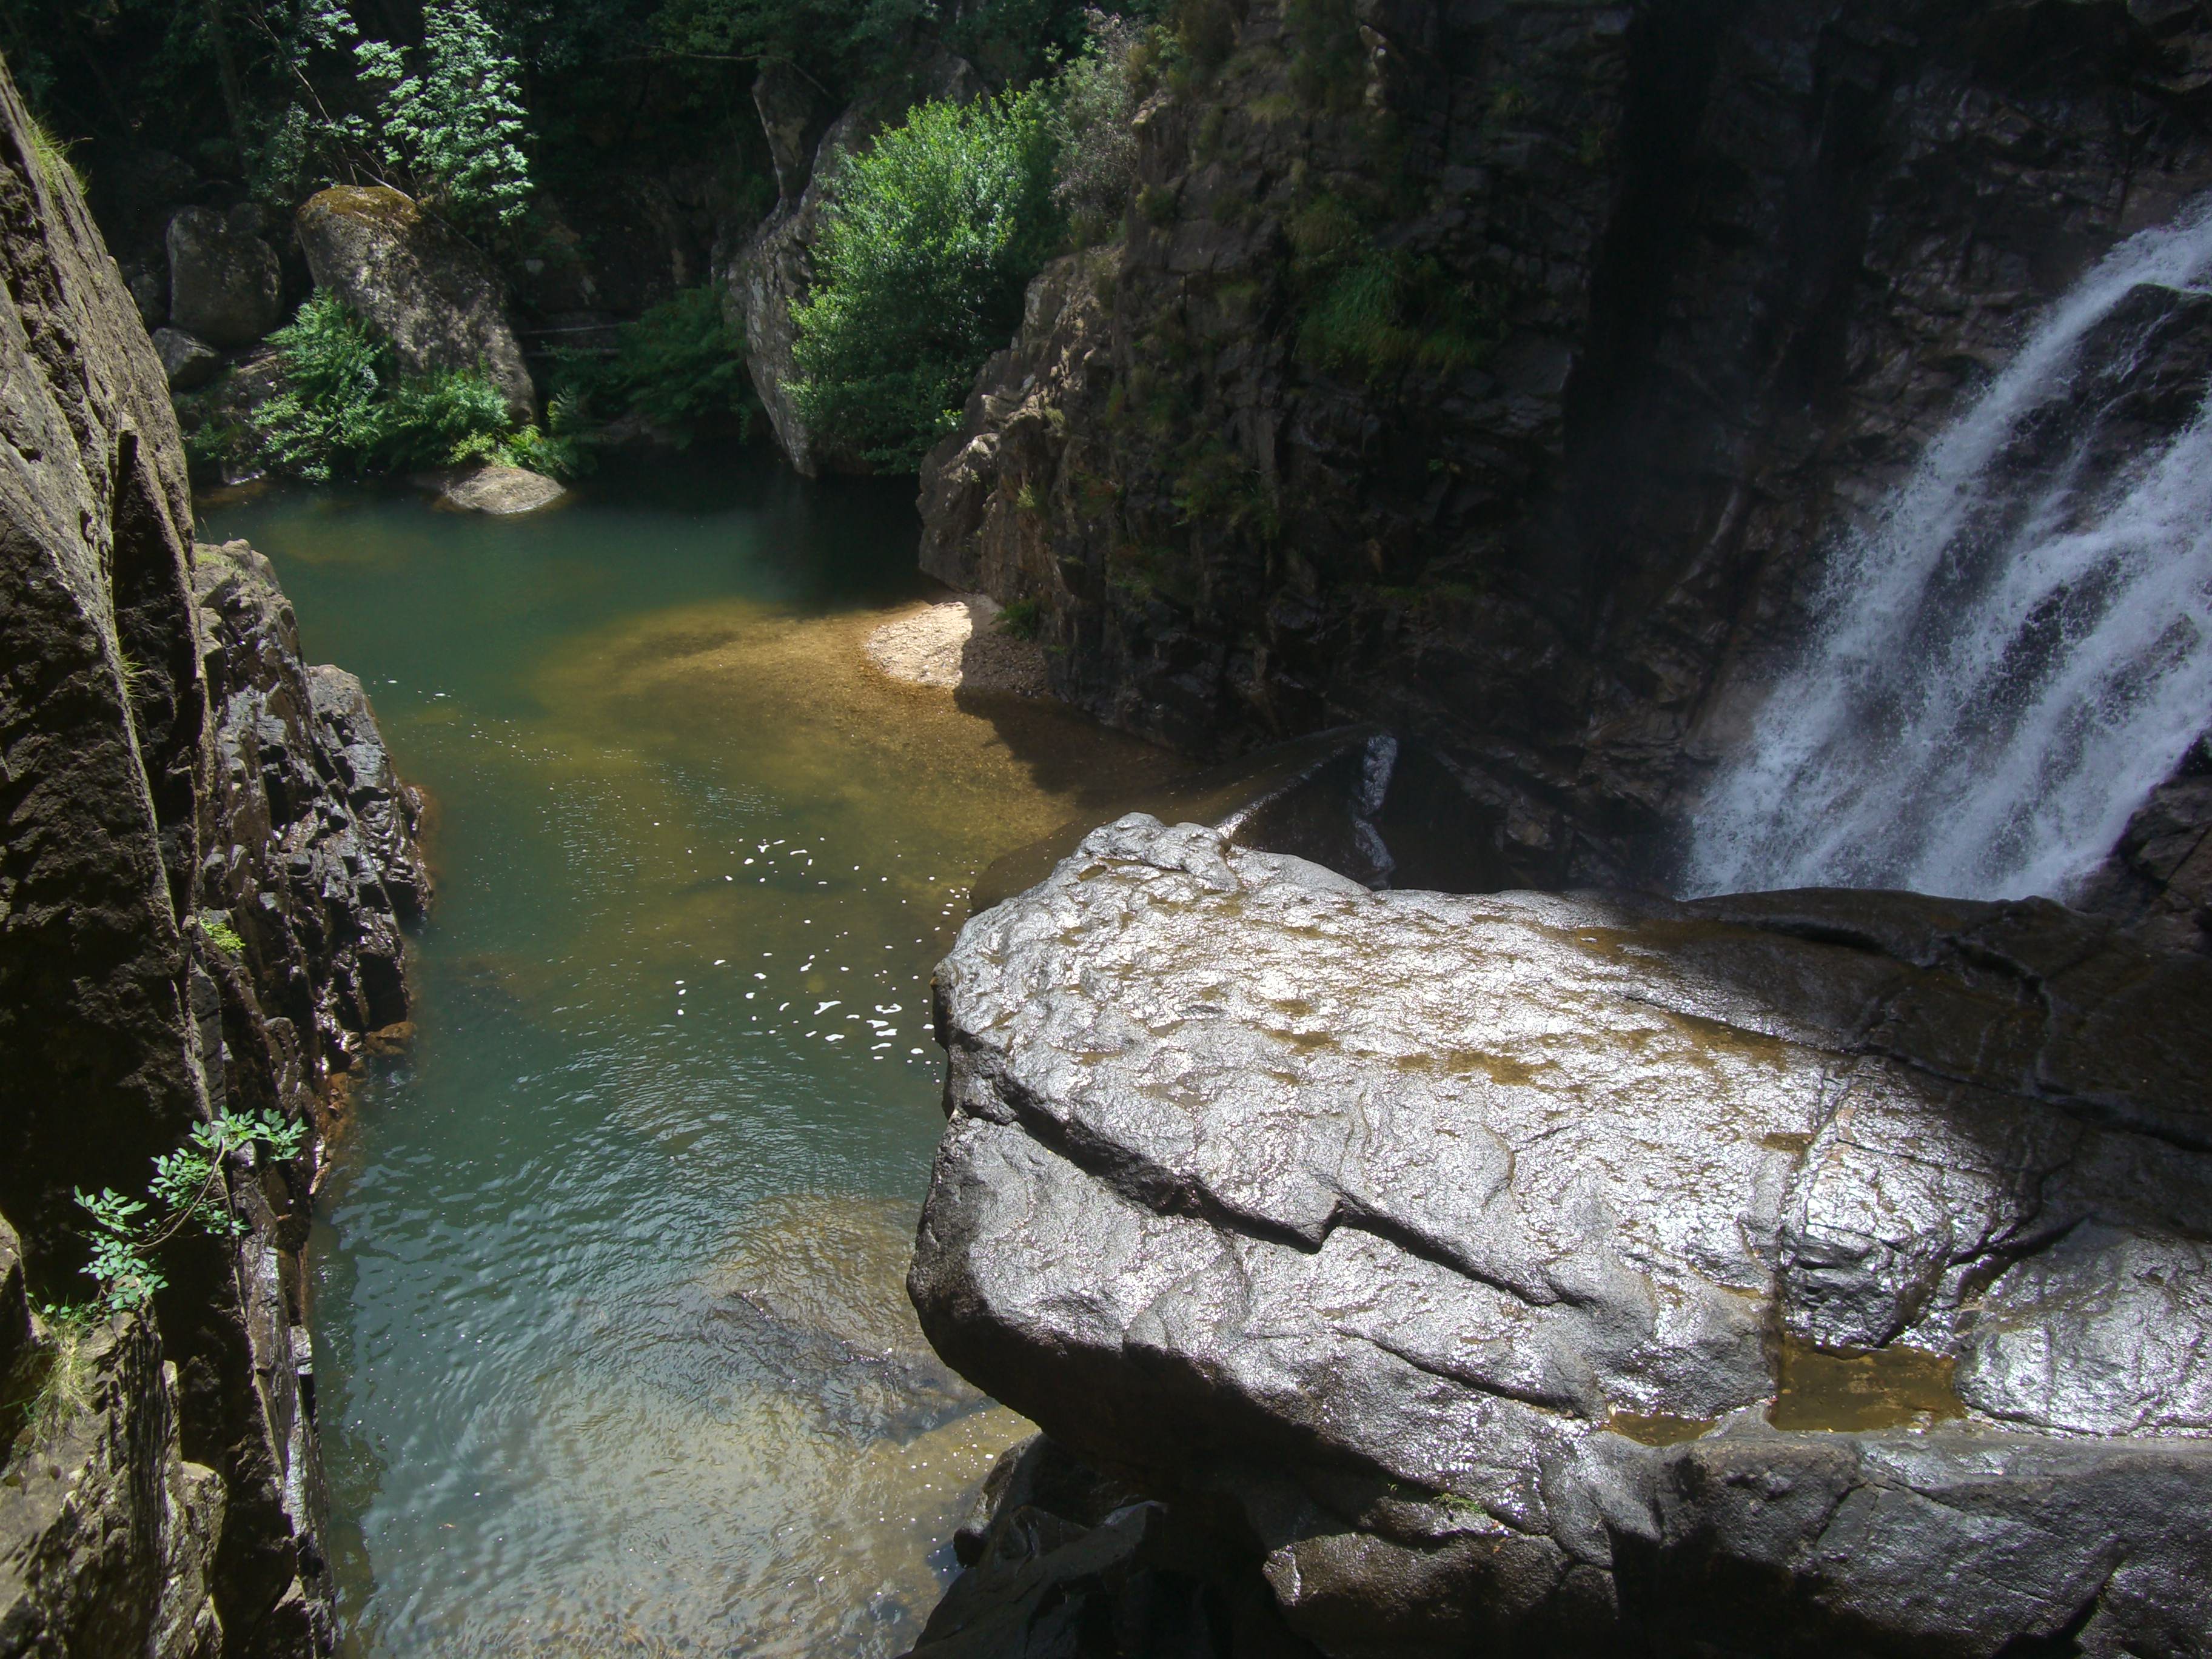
(205, 858)
(1500, 372)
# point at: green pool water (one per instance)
(610, 1350)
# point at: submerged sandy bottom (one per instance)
(613, 1350)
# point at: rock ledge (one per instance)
(1463, 1245)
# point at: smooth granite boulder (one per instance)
(434, 296)
(1809, 1272)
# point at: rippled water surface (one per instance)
(612, 1352)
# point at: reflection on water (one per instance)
(612, 1352)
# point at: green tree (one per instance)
(455, 126)
(930, 236)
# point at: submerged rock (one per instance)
(427, 291)
(499, 490)
(956, 644)
(1462, 1248)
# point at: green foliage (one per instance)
(190, 1186)
(327, 420)
(346, 411)
(1381, 310)
(1089, 118)
(679, 364)
(51, 157)
(64, 1369)
(1328, 60)
(1371, 310)
(1204, 33)
(224, 937)
(931, 235)
(451, 121)
(1021, 620)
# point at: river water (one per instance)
(612, 1355)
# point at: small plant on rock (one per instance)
(191, 1187)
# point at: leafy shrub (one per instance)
(328, 418)
(1093, 104)
(190, 1186)
(930, 236)
(678, 365)
(346, 411)
(456, 126)
(1380, 310)
(1020, 620)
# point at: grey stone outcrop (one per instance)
(1671, 314)
(225, 283)
(1798, 1273)
(432, 294)
(188, 362)
(172, 777)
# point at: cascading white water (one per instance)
(2019, 648)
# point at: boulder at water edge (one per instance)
(225, 286)
(1807, 1273)
(432, 294)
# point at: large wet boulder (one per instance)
(225, 283)
(430, 293)
(1795, 1274)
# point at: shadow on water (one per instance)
(613, 1353)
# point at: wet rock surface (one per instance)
(315, 861)
(1675, 295)
(430, 294)
(169, 775)
(1459, 1247)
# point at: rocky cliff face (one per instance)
(1802, 1273)
(170, 764)
(1498, 371)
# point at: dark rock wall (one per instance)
(1726, 267)
(160, 770)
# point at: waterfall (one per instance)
(2018, 649)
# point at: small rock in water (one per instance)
(496, 489)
